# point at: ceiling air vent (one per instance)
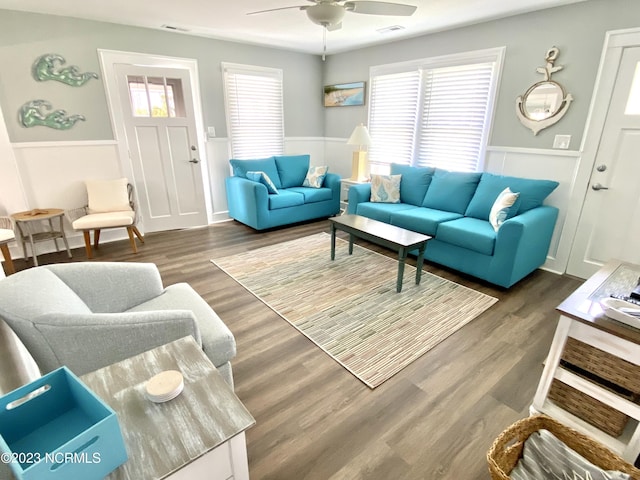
(392, 28)
(174, 28)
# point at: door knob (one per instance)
(597, 186)
(601, 168)
(194, 160)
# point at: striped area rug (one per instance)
(350, 308)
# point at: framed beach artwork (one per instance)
(344, 94)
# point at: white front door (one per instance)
(160, 127)
(609, 225)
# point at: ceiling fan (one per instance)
(329, 13)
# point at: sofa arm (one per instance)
(358, 194)
(86, 342)
(247, 201)
(522, 242)
(128, 284)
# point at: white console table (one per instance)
(582, 318)
(197, 435)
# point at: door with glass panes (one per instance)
(162, 142)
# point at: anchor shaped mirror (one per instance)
(545, 102)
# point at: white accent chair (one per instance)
(7, 235)
(110, 205)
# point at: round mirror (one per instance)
(543, 100)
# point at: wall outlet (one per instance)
(562, 141)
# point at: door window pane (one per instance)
(157, 97)
(633, 103)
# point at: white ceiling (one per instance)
(287, 29)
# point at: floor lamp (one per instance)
(360, 137)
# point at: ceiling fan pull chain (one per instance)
(324, 43)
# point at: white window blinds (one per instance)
(393, 113)
(254, 107)
(433, 112)
(454, 113)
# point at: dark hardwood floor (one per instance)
(314, 420)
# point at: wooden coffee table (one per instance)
(383, 234)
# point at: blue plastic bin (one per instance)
(56, 428)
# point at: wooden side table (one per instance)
(27, 223)
(582, 318)
(198, 434)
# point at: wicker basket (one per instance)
(507, 448)
(598, 414)
(603, 364)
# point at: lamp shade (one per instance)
(360, 136)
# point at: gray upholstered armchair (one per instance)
(90, 315)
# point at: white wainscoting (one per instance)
(51, 174)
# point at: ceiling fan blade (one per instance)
(380, 8)
(332, 28)
(299, 7)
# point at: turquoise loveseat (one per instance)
(454, 207)
(250, 202)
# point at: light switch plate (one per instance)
(211, 132)
(562, 141)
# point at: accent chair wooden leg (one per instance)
(96, 238)
(87, 244)
(8, 262)
(132, 240)
(138, 234)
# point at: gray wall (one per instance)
(24, 37)
(578, 30)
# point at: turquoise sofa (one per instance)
(454, 207)
(250, 202)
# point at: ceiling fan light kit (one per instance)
(325, 14)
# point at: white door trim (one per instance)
(614, 43)
(107, 60)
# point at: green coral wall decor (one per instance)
(34, 113)
(49, 67)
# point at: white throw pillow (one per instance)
(108, 195)
(385, 188)
(315, 177)
(501, 206)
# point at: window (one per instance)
(156, 96)
(253, 99)
(433, 112)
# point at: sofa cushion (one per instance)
(104, 220)
(292, 169)
(451, 191)
(532, 194)
(414, 183)
(264, 179)
(470, 233)
(381, 211)
(285, 198)
(315, 177)
(312, 195)
(266, 165)
(501, 207)
(422, 220)
(385, 188)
